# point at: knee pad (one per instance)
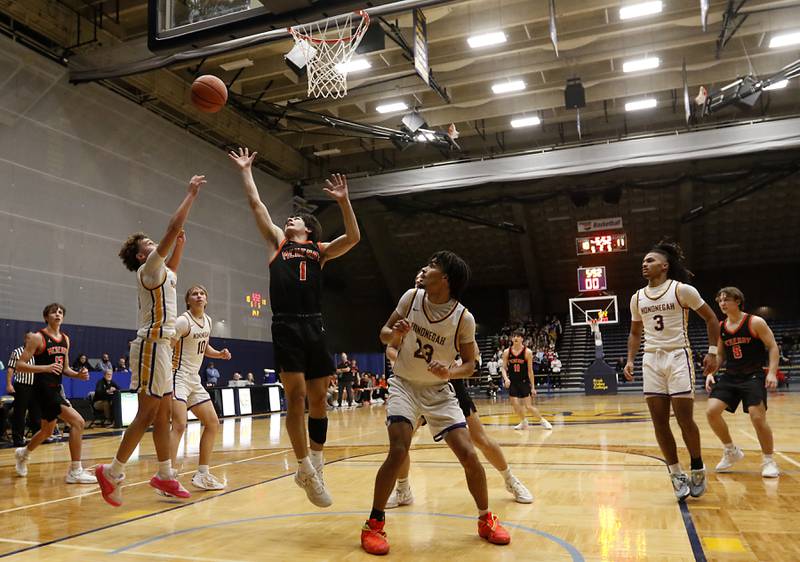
(318, 429)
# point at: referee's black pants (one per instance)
(24, 402)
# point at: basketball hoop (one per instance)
(328, 46)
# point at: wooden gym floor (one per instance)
(601, 489)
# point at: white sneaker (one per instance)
(680, 483)
(80, 476)
(207, 481)
(518, 489)
(400, 498)
(769, 469)
(522, 425)
(729, 458)
(546, 424)
(21, 458)
(314, 488)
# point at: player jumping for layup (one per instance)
(746, 339)
(295, 291)
(661, 311)
(151, 352)
(442, 327)
(516, 367)
(49, 348)
(192, 332)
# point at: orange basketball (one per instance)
(209, 93)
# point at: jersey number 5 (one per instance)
(659, 322)
(424, 352)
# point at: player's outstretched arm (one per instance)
(243, 160)
(179, 217)
(336, 187)
(174, 260)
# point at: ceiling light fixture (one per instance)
(486, 39)
(354, 65)
(328, 152)
(525, 122)
(647, 103)
(778, 85)
(638, 65)
(784, 40)
(640, 10)
(391, 107)
(506, 87)
(236, 64)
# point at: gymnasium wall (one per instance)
(80, 169)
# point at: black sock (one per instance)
(377, 514)
(697, 463)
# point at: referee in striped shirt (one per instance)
(21, 386)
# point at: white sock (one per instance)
(729, 446)
(482, 512)
(305, 466)
(26, 452)
(507, 474)
(767, 458)
(75, 466)
(117, 469)
(202, 469)
(316, 457)
(403, 485)
(675, 468)
(165, 470)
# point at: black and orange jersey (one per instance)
(745, 353)
(295, 286)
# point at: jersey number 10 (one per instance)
(201, 347)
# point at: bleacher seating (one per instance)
(576, 351)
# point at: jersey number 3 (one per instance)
(659, 322)
(424, 352)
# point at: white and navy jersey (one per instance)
(20, 377)
(433, 336)
(189, 350)
(665, 314)
(158, 307)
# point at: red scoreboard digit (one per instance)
(601, 244)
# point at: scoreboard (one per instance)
(592, 279)
(601, 244)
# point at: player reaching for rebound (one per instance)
(298, 334)
(661, 311)
(402, 494)
(151, 351)
(442, 327)
(192, 332)
(516, 367)
(49, 348)
(746, 341)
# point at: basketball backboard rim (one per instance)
(610, 299)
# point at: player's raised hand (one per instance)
(181, 239)
(628, 371)
(242, 158)
(336, 187)
(195, 183)
(226, 355)
(710, 364)
(710, 382)
(439, 369)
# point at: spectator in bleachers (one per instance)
(82, 362)
(212, 375)
(104, 392)
(105, 363)
(251, 380)
(122, 364)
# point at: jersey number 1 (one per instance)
(303, 274)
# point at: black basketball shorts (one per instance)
(464, 399)
(519, 387)
(300, 347)
(747, 389)
(50, 399)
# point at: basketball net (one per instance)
(595, 327)
(328, 45)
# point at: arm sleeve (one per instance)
(404, 305)
(689, 296)
(635, 316)
(154, 271)
(466, 332)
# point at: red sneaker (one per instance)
(110, 489)
(489, 528)
(373, 537)
(170, 487)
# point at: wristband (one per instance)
(712, 349)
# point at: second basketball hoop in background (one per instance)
(328, 46)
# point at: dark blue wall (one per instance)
(248, 355)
